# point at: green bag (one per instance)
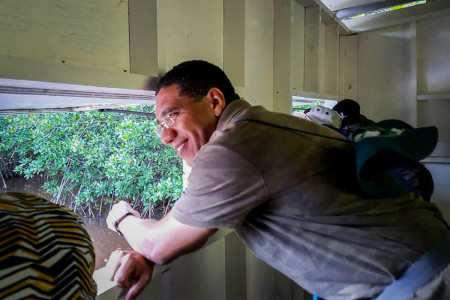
(379, 159)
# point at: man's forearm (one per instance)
(138, 233)
(164, 240)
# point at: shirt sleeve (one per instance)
(222, 189)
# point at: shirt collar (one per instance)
(231, 112)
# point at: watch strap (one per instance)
(117, 222)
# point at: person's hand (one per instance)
(117, 211)
(131, 270)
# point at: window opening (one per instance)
(363, 11)
(300, 104)
(87, 161)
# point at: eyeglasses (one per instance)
(169, 120)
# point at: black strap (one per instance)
(295, 129)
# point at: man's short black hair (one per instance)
(194, 79)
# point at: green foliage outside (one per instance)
(90, 158)
(303, 107)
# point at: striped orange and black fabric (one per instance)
(45, 252)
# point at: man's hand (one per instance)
(131, 270)
(117, 211)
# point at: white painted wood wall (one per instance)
(271, 49)
(261, 44)
(404, 73)
(218, 271)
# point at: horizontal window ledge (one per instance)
(23, 96)
(433, 97)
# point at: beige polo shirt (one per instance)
(293, 199)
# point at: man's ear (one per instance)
(217, 100)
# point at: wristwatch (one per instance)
(117, 222)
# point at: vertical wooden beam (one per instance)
(341, 67)
(259, 34)
(352, 67)
(282, 93)
(321, 58)
(282, 286)
(143, 37)
(331, 58)
(260, 281)
(312, 31)
(297, 47)
(235, 268)
(234, 41)
(413, 65)
(348, 70)
(299, 293)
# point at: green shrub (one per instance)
(303, 107)
(86, 156)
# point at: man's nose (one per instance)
(167, 135)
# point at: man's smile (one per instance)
(180, 147)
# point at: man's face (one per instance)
(194, 121)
